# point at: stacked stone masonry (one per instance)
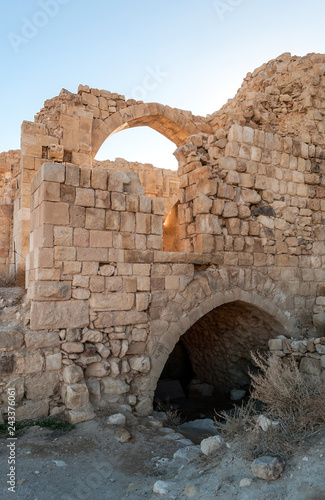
(244, 226)
(308, 353)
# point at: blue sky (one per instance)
(200, 49)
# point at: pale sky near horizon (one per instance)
(189, 54)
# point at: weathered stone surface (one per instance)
(40, 290)
(32, 409)
(41, 386)
(10, 340)
(81, 415)
(36, 340)
(51, 315)
(97, 370)
(77, 396)
(72, 374)
(73, 347)
(268, 468)
(117, 419)
(111, 386)
(28, 362)
(211, 445)
(111, 301)
(6, 364)
(106, 319)
(140, 364)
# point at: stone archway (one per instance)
(270, 305)
(174, 124)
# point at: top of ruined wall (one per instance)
(284, 96)
(9, 171)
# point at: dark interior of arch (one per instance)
(214, 356)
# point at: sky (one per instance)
(189, 54)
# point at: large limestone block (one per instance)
(28, 362)
(10, 340)
(77, 396)
(6, 364)
(140, 364)
(111, 301)
(72, 374)
(77, 416)
(18, 384)
(42, 385)
(113, 386)
(108, 319)
(36, 340)
(47, 315)
(32, 409)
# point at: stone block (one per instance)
(118, 202)
(65, 314)
(42, 290)
(77, 396)
(208, 224)
(81, 415)
(77, 216)
(101, 239)
(99, 179)
(140, 364)
(53, 362)
(142, 301)
(10, 340)
(158, 206)
(31, 410)
(63, 236)
(143, 223)
(52, 172)
(72, 175)
(113, 386)
(108, 319)
(38, 340)
(310, 366)
(111, 301)
(72, 374)
(73, 347)
(113, 220)
(28, 362)
(95, 218)
(97, 370)
(6, 364)
(54, 213)
(85, 197)
(41, 386)
(92, 254)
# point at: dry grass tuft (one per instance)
(6, 281)
(292, 398)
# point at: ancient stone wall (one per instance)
(9, 178)
(108, 304)
(158, 182)
(308, 353)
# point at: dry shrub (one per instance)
(172, 415)
(292, 398)
(6, 281)
(242, 420)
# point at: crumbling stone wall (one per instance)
(9, 178)
(308, 353)
(158, 182)
(248, 232)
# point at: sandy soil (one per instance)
(90, 463)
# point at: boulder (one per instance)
(211, 445)
(268, 468)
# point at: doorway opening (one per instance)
(208, 370)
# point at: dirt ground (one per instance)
(89, 462)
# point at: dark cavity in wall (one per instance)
(213, 359)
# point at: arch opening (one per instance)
(211, 361)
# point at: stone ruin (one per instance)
(122, 260)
